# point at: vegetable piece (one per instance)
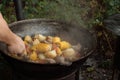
(36, 41)
(43, 47)
(64, 45)
(25, 42)
(49, 39)
(54, 46)
(61, 60)
(51, 54)
(34, 48)
(28, 38)
(41, 57)
(56, 39)
(58, 51)
(49, 60)
(69, 54)
(33, 56)
(40, 37)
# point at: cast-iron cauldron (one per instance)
(68, 32)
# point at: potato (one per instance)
(40, 37)
(33, 48)
(41, 57)
(62, 60)
(28, 38)
(64, 45)
(33, 56)
(36, 41)
(68, 53)
(49, 39)
(52, 61)
(56, 39)
(51, 54)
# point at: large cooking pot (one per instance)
(70, 33)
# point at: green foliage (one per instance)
(106, 64)
(90, 69)
(54, 9)
(112, 6)
(79, 12)
(35, 8)
(8, 11)
(105, 9)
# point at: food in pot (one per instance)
(49, 49)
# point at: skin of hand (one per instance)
(14, 42)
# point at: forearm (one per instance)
(5, 33)
(15, 43)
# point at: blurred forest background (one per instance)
(81, 12)
(89, 14)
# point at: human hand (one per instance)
(16, 45)
(14, 42)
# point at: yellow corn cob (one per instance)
(43, 47)
(58, 51)
(33, 56)
(64, 45)
(56, 39)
